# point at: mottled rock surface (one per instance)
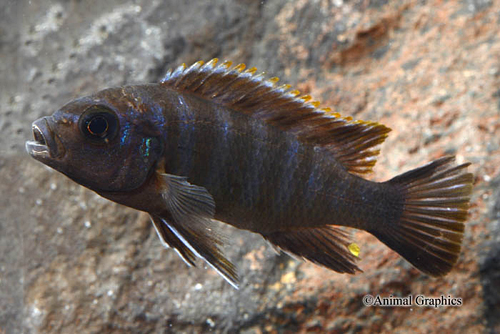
(73, 262)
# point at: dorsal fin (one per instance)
(353, 143)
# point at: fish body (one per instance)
(215, 142)
(255, 172)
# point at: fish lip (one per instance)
(46, 144)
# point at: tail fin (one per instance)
(430, 231)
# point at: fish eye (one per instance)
(99, 123)
(98, 126)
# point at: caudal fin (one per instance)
(430, 231)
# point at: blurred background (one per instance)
(71, 261)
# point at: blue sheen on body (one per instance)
(314, 184)
(186, 136)
(146, 147)
(158, 116)
(221, 149)
(287, 172)
(125, 135)
(252, 187)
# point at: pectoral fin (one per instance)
(187, 225)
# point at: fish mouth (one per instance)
(45, 144)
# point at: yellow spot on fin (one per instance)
(354, 249)
(251, 70)
(213, 62)
(273, 80)
(227, 64)
(239, 67)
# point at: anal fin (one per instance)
(327, 246)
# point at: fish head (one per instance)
(101, 141)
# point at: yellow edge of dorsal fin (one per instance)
(352, 142)
(240, 67)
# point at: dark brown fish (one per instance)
(215, 142)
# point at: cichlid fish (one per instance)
(220, 142)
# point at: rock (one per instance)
(74, 262)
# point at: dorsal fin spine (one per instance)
(190, 75)
(273, 80)
(306, 98)
(251, 70)
(212, 62)
(283, 88)
(177, 75)
(239, 67)
(226, 64)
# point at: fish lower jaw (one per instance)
(37, 150)
(45, 145)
